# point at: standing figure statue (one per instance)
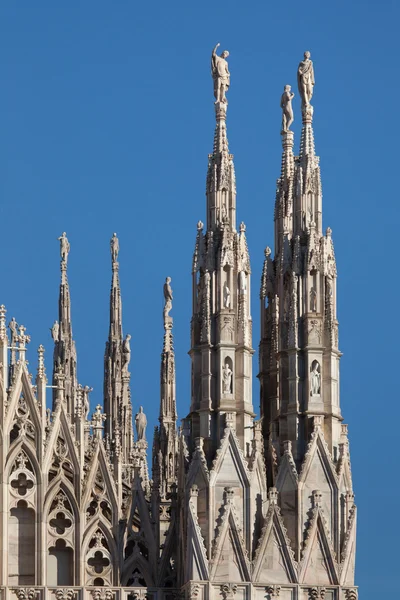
(55, 331)
(287, 109)
(315, 379)
(227, 296)
(13, 325)
(313, 299)
(141, 424)
(126, 352)
(167, 298)
(305, 79)
(114, 247)
(227, 378)
(64, 247)
(220, 74)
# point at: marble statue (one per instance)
(13, 325)
(220, 74)
(55, 331)
(313, 300)
(141, 424)
(64, 247)
(126, 352)
(167, 297)
(114, 247)
(287, 109)
(305, 79)
(315, 379)
(227, 296)
(227, 378)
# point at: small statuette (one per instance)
(315, 379)
(126, 353)
(114, 248)
(227, 296)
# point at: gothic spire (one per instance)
(165, 438)
(64, 345)
(117, 401)
(221, 184)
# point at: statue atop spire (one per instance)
(287, 109)
(64, 247)
(305, 79)
(168, 300)
(220, 74)
(114, 248)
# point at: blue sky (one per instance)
(106, 120)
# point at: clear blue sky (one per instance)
(106, 120)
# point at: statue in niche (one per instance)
(141, 424)
(55, 331)
(227, 296)
(126, 352)
(114, 247)
(167, 298)
(64, 247)
(287, 109)
(227, 378)
(13, 327)
(315, 379)
(220, 74)
(313, 300)
(243, 282)
(305, 79)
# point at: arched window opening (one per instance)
(21, 545)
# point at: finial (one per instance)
(220, 74)
(168, 302)
(22, 340)
(41, 368)
(200, 226)
(328, 232)
(287, 109)
(273, 496)
(64, 248)
(114, 248)
(242, 227)
(317, 498)
(3, 330)
(98, 417)
(267, 252)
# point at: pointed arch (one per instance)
(31, 454)
(133, 562)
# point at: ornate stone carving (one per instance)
(126, 353)
(228, 591)
(220, 74)
(273, 591)
(287, 109)
(314, 332)
(102, 594)
(351, 594)
(25, 593)
(317, 593)
(65, 593)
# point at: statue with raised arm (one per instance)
(287, 109)
(305, 79)
(55, 331)
(126, 352)
(64, 247)
(167, 298)
(141, 424)
(114, 247)
(220, 74)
